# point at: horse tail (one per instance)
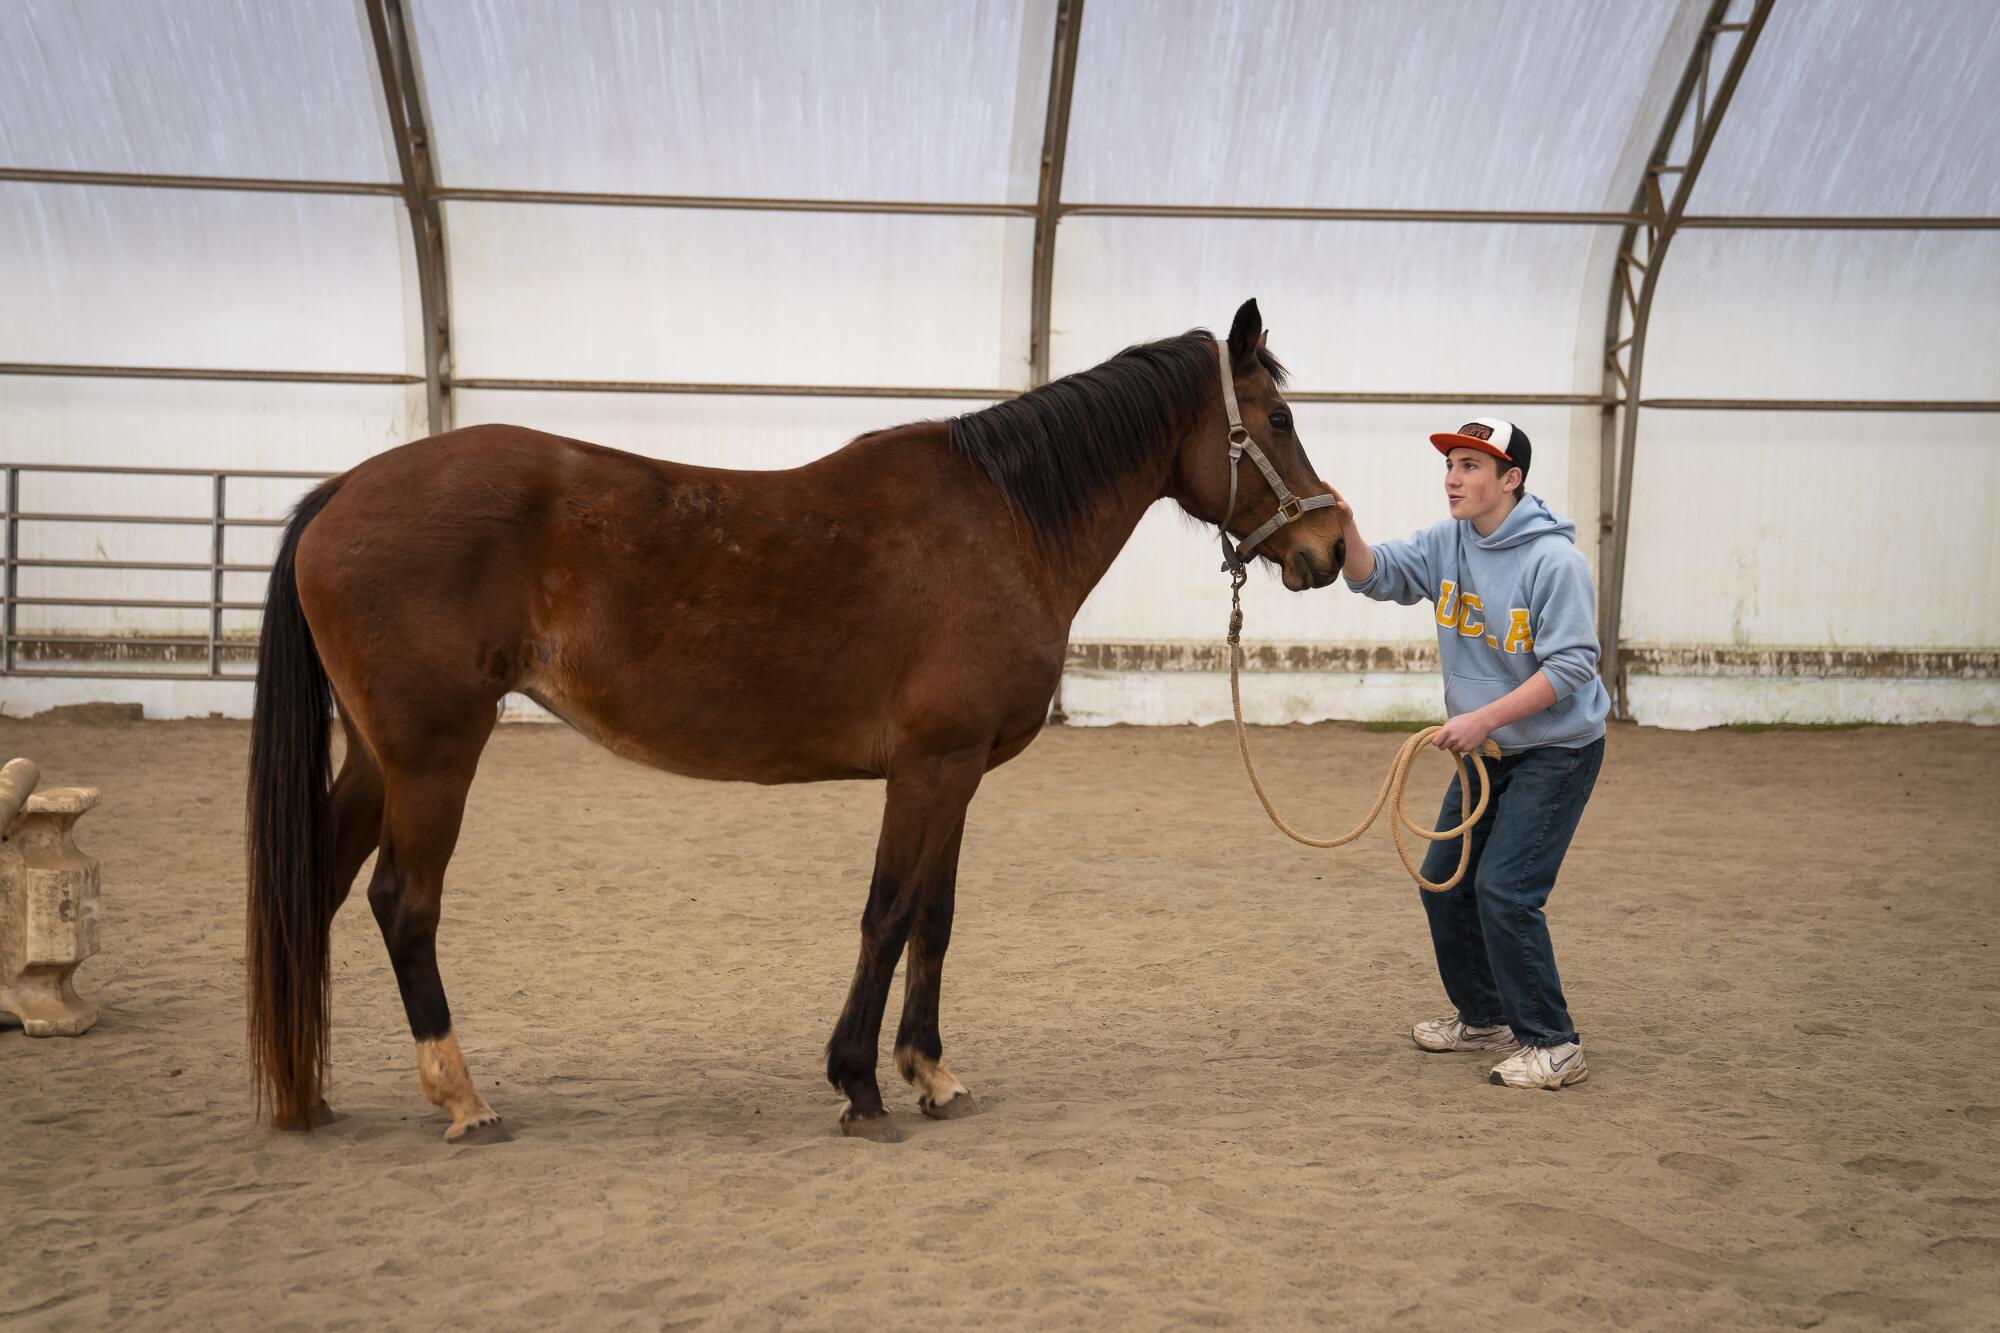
(289, 915)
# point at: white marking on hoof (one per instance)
(441, 1066)
(473, 1133)
(937, 1087)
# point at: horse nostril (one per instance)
(1339, 554)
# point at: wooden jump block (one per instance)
(48, 904)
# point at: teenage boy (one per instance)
(1517, 642)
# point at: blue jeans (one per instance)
(1492, 941)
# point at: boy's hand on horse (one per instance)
(1341, 508)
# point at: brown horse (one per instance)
(898, 609)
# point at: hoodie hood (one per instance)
(1530, 519)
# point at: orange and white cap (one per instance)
(1489, 435)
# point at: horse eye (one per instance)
(1281, 421)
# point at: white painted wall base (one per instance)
(1270, 698)
(25, 696)
(1681, 703)
(1689, 703)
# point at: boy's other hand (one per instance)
(1463, 734)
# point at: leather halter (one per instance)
(1235, 557)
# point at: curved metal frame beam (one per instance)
(1631, 309)
(1048, 191)
(409, 125)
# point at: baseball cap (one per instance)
(1489, 435)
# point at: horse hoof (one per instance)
(875, 1126)
(958, 1108)
(319, 1117)
(476, 1136)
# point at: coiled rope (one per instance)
(1393, 785)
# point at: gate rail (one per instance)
(218, 521)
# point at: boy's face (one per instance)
(1472, 483)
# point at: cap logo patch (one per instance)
(1477, 431)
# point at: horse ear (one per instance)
(1245, 332)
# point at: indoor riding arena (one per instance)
(657, 517)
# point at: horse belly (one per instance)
(717, 734)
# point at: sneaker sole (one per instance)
(1473, 1050)
(1567, 1079)
(1447, 1050)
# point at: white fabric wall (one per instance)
(1861, 531)
(736, 297)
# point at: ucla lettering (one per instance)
(1468, 602)
(1462, 611)
(1519, 640)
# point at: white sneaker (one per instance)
(1545, 1067)
(1452, 1034)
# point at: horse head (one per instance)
(1279, 509)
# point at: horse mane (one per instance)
(1054, 449)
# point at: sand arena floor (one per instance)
(1187, 1035)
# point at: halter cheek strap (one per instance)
(1235, 556)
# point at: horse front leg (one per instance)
(919, 1047)
(921, 824)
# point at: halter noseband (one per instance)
(1291, 508)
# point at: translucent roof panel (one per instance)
(1860, 107)
(1785, 556)
(1827, 314)
(1378, 306)
(108, 275)
(192, 87)
(901, 100)
(560, 292)
(1504, 104)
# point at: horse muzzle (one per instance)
(1303, 573)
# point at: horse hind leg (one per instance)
(357, 810)
(419, 831)
(357, 829)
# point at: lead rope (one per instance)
(1393, 786)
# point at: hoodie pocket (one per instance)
(1464, 694)
(1467, 694)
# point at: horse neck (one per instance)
(1101, 530)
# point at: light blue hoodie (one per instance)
(1508, 606)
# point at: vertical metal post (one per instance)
(1048, 192)
(1048, 204)
(409, 125)
(215, 576)
(7, 585)
(1663, 211)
